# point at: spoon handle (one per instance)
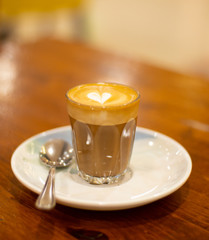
(46, 199)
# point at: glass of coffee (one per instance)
(103, 118)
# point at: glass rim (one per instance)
(104, 107)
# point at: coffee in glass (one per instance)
(103, 118)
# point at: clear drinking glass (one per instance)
(103, 133)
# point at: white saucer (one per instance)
(159, 167)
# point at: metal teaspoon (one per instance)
(54, 153)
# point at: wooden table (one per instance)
(34, 79)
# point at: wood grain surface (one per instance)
(34, 79)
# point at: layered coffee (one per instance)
(103, 119)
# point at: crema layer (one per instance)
(103, 103)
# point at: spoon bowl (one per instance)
(54, 153)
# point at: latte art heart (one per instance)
(100, 98)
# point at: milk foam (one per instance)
(100, 98)
(106, 94)
(103, 103)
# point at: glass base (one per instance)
(102, 180)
